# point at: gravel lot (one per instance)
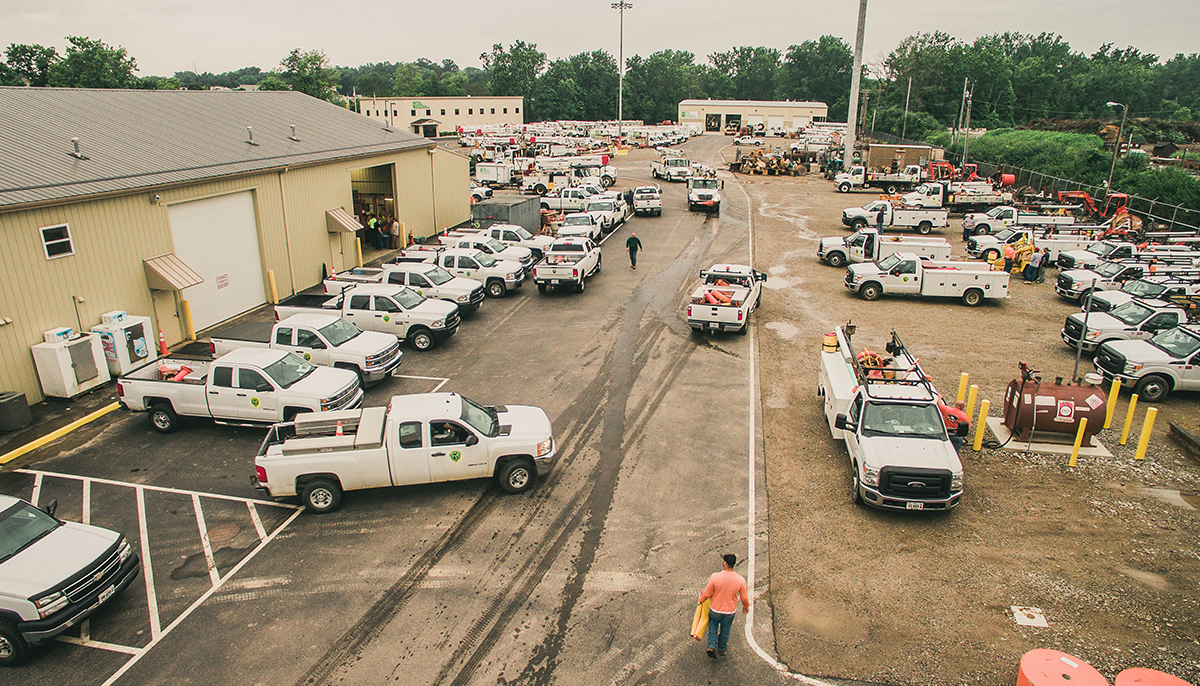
(1108, 549)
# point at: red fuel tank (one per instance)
(1042, 406)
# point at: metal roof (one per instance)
(140, 139)
(754, 103)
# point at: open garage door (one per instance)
(218, 239)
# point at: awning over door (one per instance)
(169, 273)
(338, 219)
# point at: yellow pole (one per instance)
(403, 236)
(1078, 441)
(971, 400)
(187, 321)
(358, 250)
(962, 386)
(1128, 418)
(274, 290)
(1144, 439)
(1113, 394)
(981, 425)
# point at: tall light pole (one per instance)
(1117, 145)
(855, 81)
(620, 7)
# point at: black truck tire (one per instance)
(321, 496)
(163, 418)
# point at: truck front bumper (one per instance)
(39, 631)
(874, 498)
(379, 372)
(1073, 341)
(546, 462)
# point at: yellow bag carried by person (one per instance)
(700, 621)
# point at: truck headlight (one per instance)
(870, 476)
(1131, 367)
(437, 323)
(50, 604)
(956, 482)
(124, 551)
(509, 277)
(545, 447)
(463, 298)
(1093, 334)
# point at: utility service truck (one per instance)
(1135, 320)
(1075, 284)
(242, 387)
(859, 177)
(908, 274)
(1122, 250)
(1004, 216)
(725, 298)
(324, 339)
(867, 245)
(428, 280)
(944, 194)
(704, 194)
(991, 246)
(1152, 287)
(671, 168)
(416, 439)
(568, 263)
(922, 219)
(498, 276)
(397, 310)
(1167, 361)
(885, 410)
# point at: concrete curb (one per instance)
(1186, 439)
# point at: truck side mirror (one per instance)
(472, 439)
(318, 345)
(842, 422)
(264, 388)
(51, 507)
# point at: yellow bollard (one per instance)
(962, 387)
(1144, 439)
(971, 400)
(1113, 394)
(358, 249)
(403, 236)
(981, 425)
(274, 290)
(1129, 418)
(1078, 441)
(187, 321)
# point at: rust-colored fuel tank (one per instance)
(1053, 408)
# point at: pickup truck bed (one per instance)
(254, 332)
(309, 300)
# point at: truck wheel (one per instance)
(1083, 296)
(163, 418)
(421, 339)
(843, 187)
(859, 224)
(290, 414)
(517, 476)
(599, 263)
(835, 259)
(856, 493)
(891, 189)
(13, 648)
(1153, 388)
(607, 181)
(321, 496)
(352, 368)
(540, 189)
(496, 288)
(745, 329)
(981, 230)
(924, 228)
(871, 291)
(972, 297)
(541, 288)
(991, 255)
(580, 286)
(545, 207)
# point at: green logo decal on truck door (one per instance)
(254, 402)
(455, 456)
(387, 318)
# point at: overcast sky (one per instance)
(224, 35)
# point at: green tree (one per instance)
(655, 86)
(93, 64)
(29, 64)
(595, 73)
(753, 71)
(309, 73)
(514, 71)
(272, 82)
(557, 95)
(819, 71)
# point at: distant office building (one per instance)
(430, 116)
(716, 115)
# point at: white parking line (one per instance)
(262, 533)
(37, 490)
(147, 568)
(87, 502)
(425, 378)
(213, 575)
(88, 643)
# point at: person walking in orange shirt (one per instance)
(724, 588)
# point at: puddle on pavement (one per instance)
(1188, 500)
(784, 330)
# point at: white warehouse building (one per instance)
(771, 115)
(430, 116)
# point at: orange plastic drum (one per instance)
(1139, 676)
(1043, 667)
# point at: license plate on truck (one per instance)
(106, 593)
(915, 506)
(714, 326)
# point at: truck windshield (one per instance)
(339, 332)
(855, 238)
(484, 259)
(1178, 343)
(1102, 249)
(438, 276)
(1144, 289)
(288, 370)
(710, 184)
(408, 298)
(995, 212)
(577, 220)
(1109, 269)
(482, 419)
(495, 245)
(888, 419)
(21, 526)
(600, 207)
(1004, 235)
(888, 262)
(1131, 313)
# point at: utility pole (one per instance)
(904, 131)
(958, 123)
(621, 7)
(967, 130)
(1116, 145)
(855, 83)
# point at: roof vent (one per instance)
(78, 154)
(250, 135)
(293, 136)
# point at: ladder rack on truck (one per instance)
(880, 374)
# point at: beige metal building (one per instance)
(715, 115)
(142, 200)
(429, 117)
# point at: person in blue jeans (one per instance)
(633, 245)
(724, 588)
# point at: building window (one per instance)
(413, 113)
(471, 110)
(517, 110)
(506, 110)
(367, 112)
(56, 241)
(394, 113)
(456, 110)
(427, 113)
(493, 110)
(443, 113)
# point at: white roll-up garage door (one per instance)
(774, 121)
(754, 120)
(218, 238)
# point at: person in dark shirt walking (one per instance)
(633, 245)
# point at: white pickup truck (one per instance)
(704, 194)
(907, 274)
(1152, 287)
(243, 387)
(565, 199)
(513, 235)
(725, 298)
(417, 439)
(886, 413)
(489, 246)
(609, 212)
(1167, 361)
(1005, 216)
(428, 280)
(867, 245)
(923, 220)
(397, 310)
(991, 246)
(1135, 320)
(53, 574)
(498, 276)
(324, 339)
(1121, 250)
(581, 224)
(647, 200)
(671, 168)
(568, 263)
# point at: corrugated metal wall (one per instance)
(112, 236)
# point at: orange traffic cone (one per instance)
(162, 344)
(339, 428)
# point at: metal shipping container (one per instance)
(522, 210)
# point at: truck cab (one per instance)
(671, 169)
(491, 246)
(704, 194)
(1167, 361)
(1135, 320)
